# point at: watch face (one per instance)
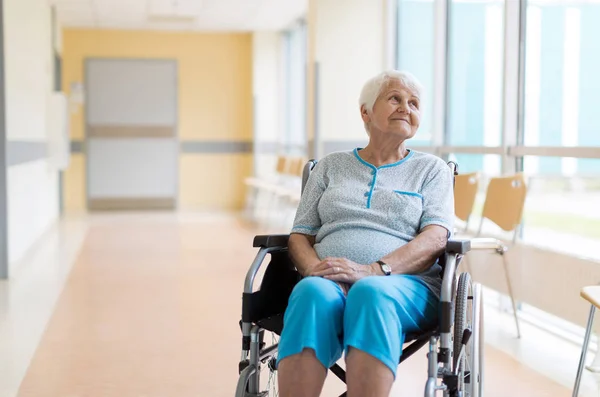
(386, 268)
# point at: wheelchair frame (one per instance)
(453, 374)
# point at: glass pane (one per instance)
(475, 61)
(561, 75)
(415, 53)
(562, 211)
(487, 164)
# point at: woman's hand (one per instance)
(341, 270)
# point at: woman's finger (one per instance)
(323, 265)
(327, 271)
(345, 276)
(340, 277)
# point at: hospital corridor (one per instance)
(148, 305)
(261, 198)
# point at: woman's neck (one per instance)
(382, 154)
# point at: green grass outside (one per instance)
(564, 223)
(559, 222)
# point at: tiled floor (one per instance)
(151, 309)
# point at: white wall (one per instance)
(349, 49)
(267, 91)
(32, 206)
(28, 65)
(32, 186)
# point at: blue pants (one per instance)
(375, 317)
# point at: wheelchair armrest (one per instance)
(271, 241)
(460, 247)
(484, 243)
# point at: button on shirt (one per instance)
(361, 212)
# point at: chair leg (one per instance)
(512, 297)
(586, 341)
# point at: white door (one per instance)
(131, 131)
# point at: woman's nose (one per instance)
(403, 108)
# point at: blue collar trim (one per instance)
(410, 153)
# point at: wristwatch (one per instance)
(385, 268)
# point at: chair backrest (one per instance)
(296, 165)
(281, 164)
(504, 202)
(465, 191)
(300, 167)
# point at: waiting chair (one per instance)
(465, 192)
(504, 203)
(592, 295)
(286, 179)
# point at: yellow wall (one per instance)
(214, 104)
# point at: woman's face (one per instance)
(396, 111)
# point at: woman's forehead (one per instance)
(397, 85)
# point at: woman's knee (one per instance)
(314, 319)
(319, 293)
(403, 298)
(367, 291)
(316, 288)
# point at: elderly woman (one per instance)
(367, 234)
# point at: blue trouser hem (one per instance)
(382, 357)
(306, 345)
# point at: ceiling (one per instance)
(186, 15)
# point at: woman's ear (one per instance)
(364, 114)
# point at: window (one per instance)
(562, 81)
(475, 74)
(561, 86)
(415, 52)
(561, 211)
(488, 164)
(294, 70)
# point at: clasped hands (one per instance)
(341, 270)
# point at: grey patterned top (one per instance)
(361, 212)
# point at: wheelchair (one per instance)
(455, 353)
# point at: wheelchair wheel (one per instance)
(268, 369)
(460, 316)
(468, 315)
(477, 344)
(259, 377)
(242, 386)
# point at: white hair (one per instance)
(372, 88)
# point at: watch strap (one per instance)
(385, 268)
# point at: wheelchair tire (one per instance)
(460, 316)
(477, 361)
(469, 314)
